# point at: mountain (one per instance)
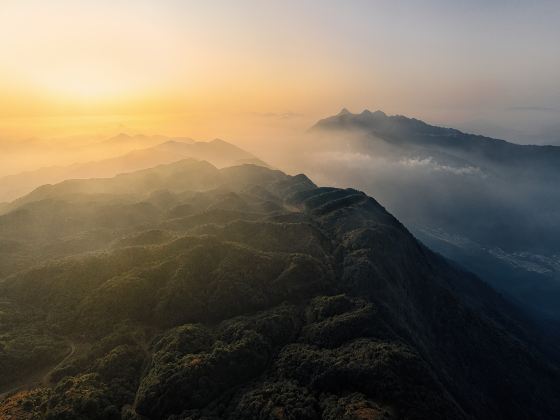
(449, 144)
(125, 142)
(191, 292)
(124, 139)
(217, 151)
(491, 205)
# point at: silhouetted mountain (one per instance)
(493, 206)
(246, 293)
(218, 152)
(482, 151)
(135, 141)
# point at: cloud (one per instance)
(430, 164)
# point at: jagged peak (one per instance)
(368, 113)
(344, 111)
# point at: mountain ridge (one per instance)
(217, 151)
(243, 293)
(366, 119)
(499, 199)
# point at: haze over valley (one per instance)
(491, 205)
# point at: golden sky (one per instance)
(202, 62)
(72, 57)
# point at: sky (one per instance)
(225, 68)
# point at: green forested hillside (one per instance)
(490, 205)
(188, 292)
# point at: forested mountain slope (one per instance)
(491, 205)
(191, 292)
(218, 152)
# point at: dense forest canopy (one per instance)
(191, 292)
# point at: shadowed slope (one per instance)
(253, 294)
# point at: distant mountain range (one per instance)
(479, 151)
(492, 205)
(217, 151)
(186, 291)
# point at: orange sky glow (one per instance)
(218, 68)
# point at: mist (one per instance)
(501, 220)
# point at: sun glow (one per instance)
(90, 58)
(83, 85)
